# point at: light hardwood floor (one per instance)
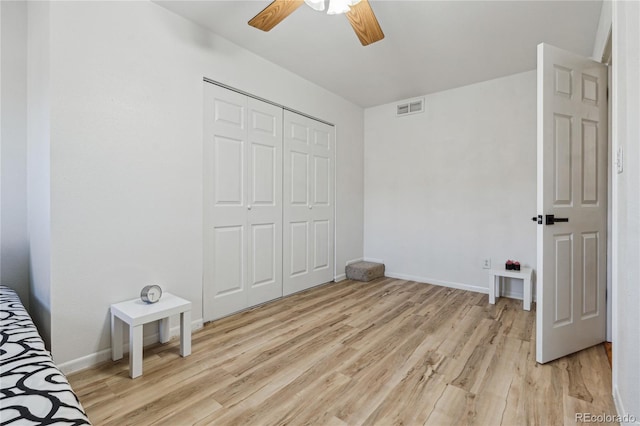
(385, 352)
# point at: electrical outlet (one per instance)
(486, 263)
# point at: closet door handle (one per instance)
(310, 206)
(248, 206)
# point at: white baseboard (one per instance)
(511, 294)
(85, 361)
(459, 286)
(516, 294)
(103, 355)
(340, 277)
(349, 262)
(625, 418)
(374, 260)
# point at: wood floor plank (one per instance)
(413, 396)
(449, 407)
(387, 352)
(307, 385)
(285, 343)
(371, 385)
(456, 360)
(514, 412)
(313, 411)
(191, 413)
(255, 378)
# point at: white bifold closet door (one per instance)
(308, 203)
(242, 202)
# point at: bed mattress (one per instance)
(33, 391)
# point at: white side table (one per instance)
(136, 313)
(525, 274)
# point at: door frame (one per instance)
(603, 52)
(607, 59)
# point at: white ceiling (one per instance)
(429, 46)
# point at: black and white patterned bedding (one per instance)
(33, 391)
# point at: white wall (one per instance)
(38, 166)
(626, 205)
(603, 32)
(453, 185)
(126, 159)
(14, 245)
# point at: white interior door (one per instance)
(308, 203)
(572, 184)
(242, 202)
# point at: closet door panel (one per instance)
(264, 177)
(308, 204)
(299, 183)
(298, 248)
(264, 211)
(225, 212)
(228, 256)
(228, 171)
(322, 147)
(321, 238)
(264, 254)
(322, 181)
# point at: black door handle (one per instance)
(551, 219)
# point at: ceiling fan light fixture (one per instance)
(358, 12)
(337, 7)
(315, 4)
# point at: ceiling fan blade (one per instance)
(364, 23)
(273, 14)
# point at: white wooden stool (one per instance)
(136, 314)
(495, 277)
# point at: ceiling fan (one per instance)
(359, 13)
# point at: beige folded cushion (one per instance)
(365, 271)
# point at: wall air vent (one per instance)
(403, 109)
(412, 107)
